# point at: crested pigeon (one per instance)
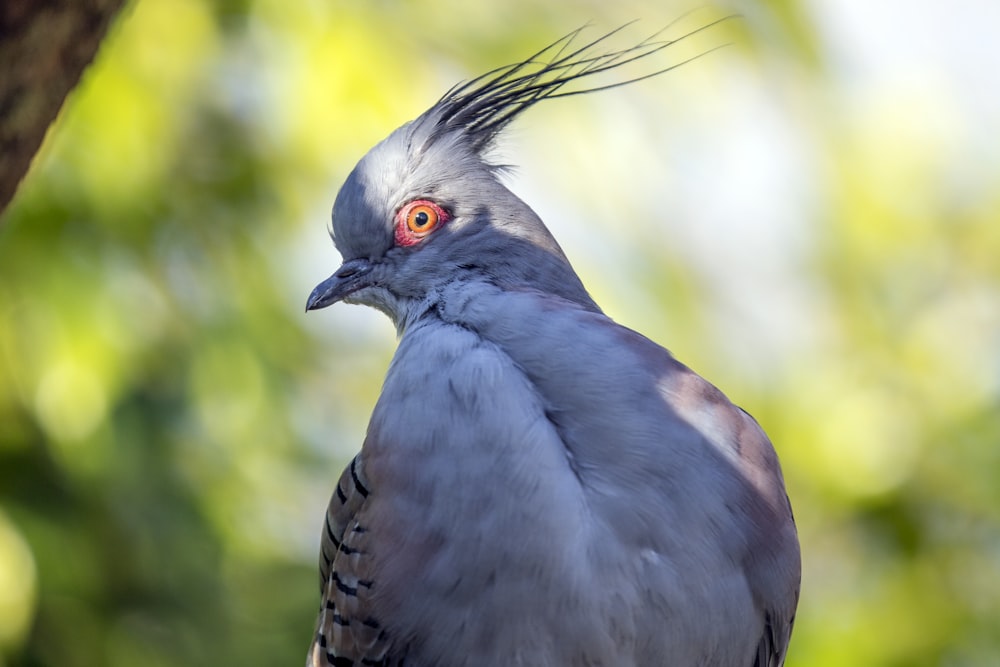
(538, 485)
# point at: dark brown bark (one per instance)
(44, 47)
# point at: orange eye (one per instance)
(418, 219)
(422, 218)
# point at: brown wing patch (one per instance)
(347, 634)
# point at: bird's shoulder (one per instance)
(443, 371)
(634, 417)
(453, 407)
(586, 366)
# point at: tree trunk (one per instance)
(44, 47)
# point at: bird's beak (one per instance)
(349, 278)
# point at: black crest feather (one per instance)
(482, 107)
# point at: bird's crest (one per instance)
(480, 109)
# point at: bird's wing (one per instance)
(346, 633)
(774, 643)
(772, 566)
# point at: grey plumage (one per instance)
(539, 485)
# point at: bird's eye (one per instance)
(421, 218)
(416, 220)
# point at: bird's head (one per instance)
(420, 211)
(425, 207)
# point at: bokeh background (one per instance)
(809, 217)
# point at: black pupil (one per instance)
(421, 219)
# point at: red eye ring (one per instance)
(418, 219)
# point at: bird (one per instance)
(538, 484)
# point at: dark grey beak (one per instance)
(349, 278)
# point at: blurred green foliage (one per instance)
(820, 241)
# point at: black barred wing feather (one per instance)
(346, 632)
